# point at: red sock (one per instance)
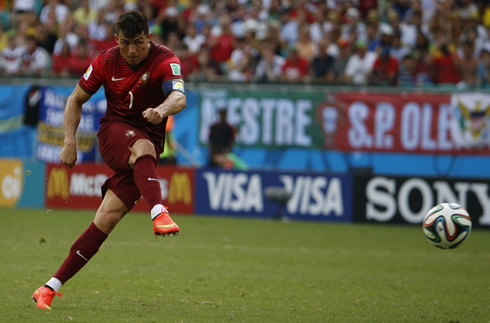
(84, 248)
(145, 177)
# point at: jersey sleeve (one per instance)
(93, 78)
(170, 69)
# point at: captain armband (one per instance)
(173, 85)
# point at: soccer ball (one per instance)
(447, 225)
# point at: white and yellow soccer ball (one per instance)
(447, 225)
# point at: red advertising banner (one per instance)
(410, 122)
(79, 187)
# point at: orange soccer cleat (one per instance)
(43, 296)
(163, 225)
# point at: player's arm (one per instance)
(73, 114)
(173, 104)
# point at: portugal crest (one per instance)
(130, 133)
(144, 80)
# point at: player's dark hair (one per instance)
(131, 24)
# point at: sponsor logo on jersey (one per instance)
(175, 68)
(88, 72)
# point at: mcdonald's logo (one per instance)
(58, 183)
(180, 189)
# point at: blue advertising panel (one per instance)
(22, 183)
(34, 186)
(313, 196)
(50, 127)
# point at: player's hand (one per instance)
(68, 155)
(153, 116)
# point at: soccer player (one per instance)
(143, 86)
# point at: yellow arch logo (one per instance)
(180, 188)
(58, 185)
(11, 180)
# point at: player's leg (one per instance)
(129, 150)
(110, 212)
(143, 161)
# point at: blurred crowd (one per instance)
(360, 42)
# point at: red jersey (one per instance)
(129, 91)
(446, 70)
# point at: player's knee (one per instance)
(106, 221)
(140, 148)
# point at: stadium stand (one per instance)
(403, 43)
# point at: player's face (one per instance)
(134, 50)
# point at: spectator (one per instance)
(3, 38)
(35, 60)
(402, 7)
(484, 66)
(82, 31)
(11, 56)
(473, 22)
(190, 13)
(65, 36)
(422, 72)
(189, 63)
(59, 9)
(99, 4)
(333, 42)
(406, 76)
(289, 30)
(85, 14)
(467, 8)
(238, 25)
(397, 49)
(80, 61)
(270, 65)
(273, 38)
(360, 64)
(408, 33)
(242, 62)
(340, 63)
(222, 46)
(251, 29)
(386, 34)
(320, 27)
(149, 13)
(296, 68)
(423, 35)
(47, 34)
(321, 65)
(201, 19)
(385, 69)
(304, 45)
(444, 63)
(98, 45)
(172, 23)
(209, 69)
(373, 41)
(274, 11)
(97, 29)
(173, 41)
(354, 25)
(193, 40)
(61, 61)
(469, 64)
(20, 9)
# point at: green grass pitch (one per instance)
(244, 270)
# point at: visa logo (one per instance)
(314, 195)
(234, 192)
